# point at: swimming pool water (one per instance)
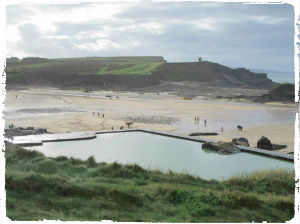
(160, 152)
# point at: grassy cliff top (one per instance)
(131, 65)
(38, 187)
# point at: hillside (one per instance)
(69, 189)
(125, 73)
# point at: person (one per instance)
(112, 128)
(222, 128)
(205, 122)
(93, 113)
(98, 114)
(103, 115)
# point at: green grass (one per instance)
(114, 59)
(88, 65)
(34, 65)
(133, 68)
(64, 188)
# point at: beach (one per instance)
(73, 110)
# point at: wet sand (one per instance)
(68, 111)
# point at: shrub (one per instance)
(76, 161)
(202, 211)
(176, 196)
(23, 153)
(32, 182)
(272, 181)
(47, 166)
(237, 200)
(60, 158)
(209, 198)
(126, 198)
(91, 162)
(284, 205)
(136, 168)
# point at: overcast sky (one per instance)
(233, 34)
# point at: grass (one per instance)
(133, 68)
(115, 59)
(62, 188)
(88, 65)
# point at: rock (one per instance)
(41, 130)
(265, 143)
(278, 146)
(9, 133)
(203, 133)
(240, 141)
(224, 148)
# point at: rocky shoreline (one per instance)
(20, 131)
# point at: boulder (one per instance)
(224, 148)
(265, 143)
(240, 141)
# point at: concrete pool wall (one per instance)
(32, 140)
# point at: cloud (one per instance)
(254, 36)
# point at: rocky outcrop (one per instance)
(11, 132)
(240, 141)
(224, 148)
(265, 143)
(283, 92)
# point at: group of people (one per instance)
(122, 127)
(205, 123)
(98, 114)
(197, 121)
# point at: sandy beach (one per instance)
(68, 111)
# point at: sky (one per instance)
(232, 34)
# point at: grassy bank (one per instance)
(40, 188)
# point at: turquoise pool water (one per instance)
(160, 152)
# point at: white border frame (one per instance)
(5, 3)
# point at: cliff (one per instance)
(125, 73)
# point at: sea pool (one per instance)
(153, 151)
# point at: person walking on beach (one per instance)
(222, 129)
(103, 115)
(205, 122)
(93, 113)
(98, 114)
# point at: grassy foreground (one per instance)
(59, 188)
